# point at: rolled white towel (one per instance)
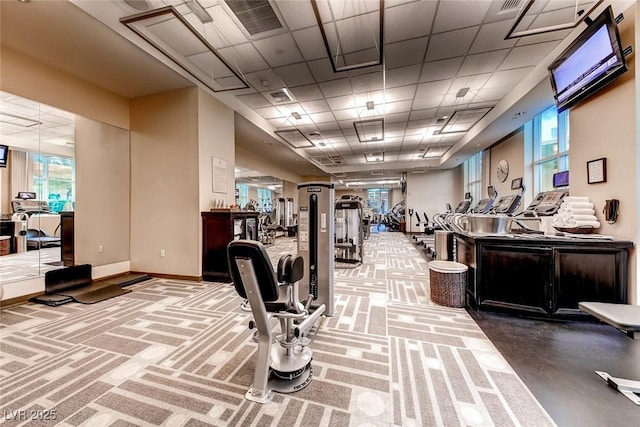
(580, 199)
(584, 217)
(580, 211)
(579, 205)
(594, 224)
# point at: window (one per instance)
(550, 133)
(473, 175)
(54, 181)
(243, 194)
(378, 199)
(265, 199)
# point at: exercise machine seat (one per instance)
(283, 359)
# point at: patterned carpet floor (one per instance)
(177, 353)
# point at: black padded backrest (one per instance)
(282, 268)
(295, 268)
(254, 251)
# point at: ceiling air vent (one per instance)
(257, 16)
(510, 6)
(281, 96)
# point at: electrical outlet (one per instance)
(100, 249)
(161, 253)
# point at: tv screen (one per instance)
(593, 60)
(4, 154)
(561, 179)
(491, 191)
(516, 184)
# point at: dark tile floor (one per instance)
(557, 360)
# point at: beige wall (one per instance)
(250, 161)
(34, 80)
(430, 192)
(216, 140)
(510, 149)
(102, 193)
(165, 195)
(605, 126)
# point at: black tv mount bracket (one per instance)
(627, 51)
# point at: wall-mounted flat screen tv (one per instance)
(4, 154)
(593, 60)
(561, 179)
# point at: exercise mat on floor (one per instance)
(95, 292)
(51, 300)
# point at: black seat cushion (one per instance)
(282, 269)
(255, 252)
(295, 268)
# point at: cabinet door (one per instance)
(589, 274)
(515, 277)
(466, 254)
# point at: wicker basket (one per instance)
(448, 283)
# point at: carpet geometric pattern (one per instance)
(178, 353)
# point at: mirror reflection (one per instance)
(37, 183)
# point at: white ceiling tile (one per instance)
(377, 97)
(306, 93)
(439, 87)
(400, 118)
(322, 117)
(545, 37)
(279, 123)
(323, 127)
(492, 94)
(310, 43)
(402, 76)
(244, 57)
(474, 82)
(341, 102)
(397, 126)
(264, 80)
(398, 107)
(427, 102)
(413, 138)
(408, 20)
(400, 93)
(367, 82)
(312, 107)
(507, 78)
(279, 50)
(491, 37)
(255, 100)
(269, 112)
(459, 102)
(388, 133)
(459, 14)
(322, 71)
(295, 75)
(480, 63)
(347, 114)
(525, 56)
(296, 14)
(423, 114)
(440, 70)
(450, 44)
(223, 31)
(404, 53)
(335, 88)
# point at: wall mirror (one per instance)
(37, 183)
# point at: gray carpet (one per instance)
(177, 353)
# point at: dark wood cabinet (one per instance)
(67, 236)
(544, 276)
(218, 229)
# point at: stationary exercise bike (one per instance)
(283, 359)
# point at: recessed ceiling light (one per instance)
(370, 105)
(279, 51)
(462, 92)
(519, 114)
(296, 115)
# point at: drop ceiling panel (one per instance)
(474, 82)
(453, 15)
(265, 80)
(423, 114)
(367, 82)
(322, 71)
(439, 70)
(312, 107)
(307, 93)
(482, 62)
(255, 100)
(244, 57)
(451, 44)
(322, 117)
(409, 20)
(427, 102)
(341, 102)
(296, 14)
(491, 37)
(404, 53)
(310, 43)
(432, 89)
(295, 75)
(336, 88)
(526, 56)
(402, 76)
(400, 93)
(507, 78)
(279, 50)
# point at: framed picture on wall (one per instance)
(597, 171)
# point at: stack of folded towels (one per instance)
(575, 212)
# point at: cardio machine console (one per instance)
(545, 203)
